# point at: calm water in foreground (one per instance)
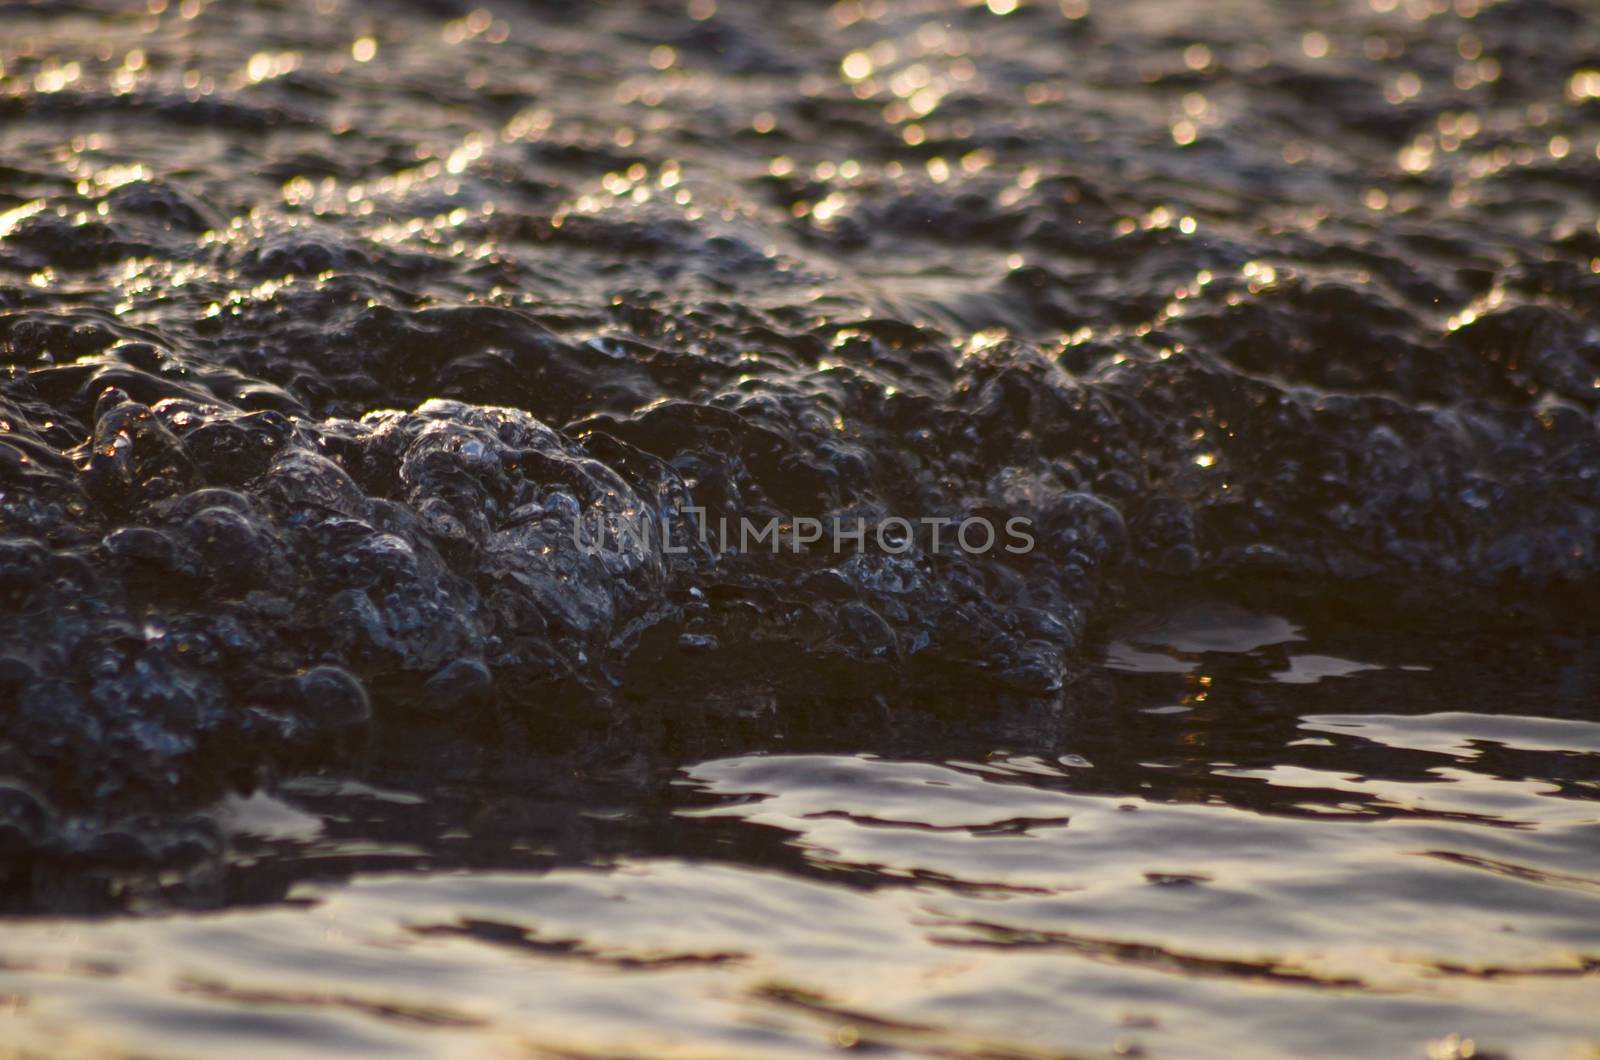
(1277, 844)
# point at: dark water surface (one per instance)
(322, 324)
(1247, 858)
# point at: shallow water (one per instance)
(324, 323)
(1275, 852)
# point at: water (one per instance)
(1252, 857)
(323, 324)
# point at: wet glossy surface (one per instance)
(323, 322)
(1237, 860)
